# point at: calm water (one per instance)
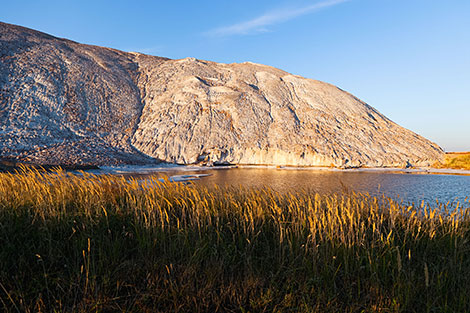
(406, 187)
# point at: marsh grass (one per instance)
(85, 243)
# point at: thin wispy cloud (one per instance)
(260, 24)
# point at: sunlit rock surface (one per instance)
(63, 102)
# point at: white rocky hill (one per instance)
(62, 102)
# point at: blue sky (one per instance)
(410, 59)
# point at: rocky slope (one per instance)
(62, 102)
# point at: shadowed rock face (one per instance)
(67, 103)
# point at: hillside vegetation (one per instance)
(456, 160)
(84, 243)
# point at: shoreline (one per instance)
(147, 169)
(167, 167)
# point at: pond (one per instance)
(409, 187)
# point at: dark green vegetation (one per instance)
(87, 243)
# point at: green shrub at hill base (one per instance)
(82, 243)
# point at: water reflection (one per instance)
(406, 187)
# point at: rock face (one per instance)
(62, 102)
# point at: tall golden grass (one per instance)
(456, 160)
(106, 243)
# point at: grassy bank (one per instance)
(455, 160)
(86, 243)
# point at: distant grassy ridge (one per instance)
(455, 160)
(72, 243)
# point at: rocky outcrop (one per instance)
(64, 102)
